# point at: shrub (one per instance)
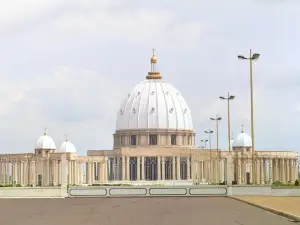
(296, 182)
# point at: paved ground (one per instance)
(289, 205)
(135, 211)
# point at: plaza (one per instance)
(166, 210)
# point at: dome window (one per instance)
(121, 111)
(166, 93)
(138, 93)
(152, 93)
(171, 110)
(128, 95)
(152, 109)
(133, 110)
(185, 110)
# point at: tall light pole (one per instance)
(209, 132)
(205, 158)
(251, 57)
(217, 119)
(228, 98)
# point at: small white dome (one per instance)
(242, 140)
(45, 142)
(67, 146)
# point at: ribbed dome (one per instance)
(67, 146)
(154, 104)
(45, 142)
(242, 140)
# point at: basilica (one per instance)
(154, 143)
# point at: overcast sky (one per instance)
(67, 65)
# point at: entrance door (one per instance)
(248, 178)
(40, 179)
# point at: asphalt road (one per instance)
(135, 211)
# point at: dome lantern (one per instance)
(153, 74)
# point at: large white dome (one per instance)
(242, 140)
(45, 142)
(154, 104)
(67, 146)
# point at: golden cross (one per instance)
(153, 50)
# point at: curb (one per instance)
(280, 213)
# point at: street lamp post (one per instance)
(204, 143)
(251, 57)
(205, 158)
(228, 98)
(209, 132)
(217, 119)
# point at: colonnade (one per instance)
(266, 170)
(192, 168)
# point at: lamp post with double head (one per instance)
(209, 132)
(251, 57)
(228, 98)
(217, 119)
(205, 141)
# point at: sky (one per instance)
(67, 66)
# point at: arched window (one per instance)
(173, 139)
(153, 139)
(133, 140)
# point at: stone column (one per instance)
(63, 169)
(239, 172)
(188, 168)
(295, 170)
(261, 170)
(270, 171)
(158, 168)
(93, 172)
(282, 171)
(54, 172)
(105, 169)
(200, 172)
(128, 168)
(117, 168)
(33, 178)
(89, 173)
(163, 168)
(100, 176)
(173, 167)
(138, 166)
(276, 175)
(22, 173)
(178, 168)
(287, 171)
(143, 168)
(123, 168)
(229, 169)
(1, 172)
